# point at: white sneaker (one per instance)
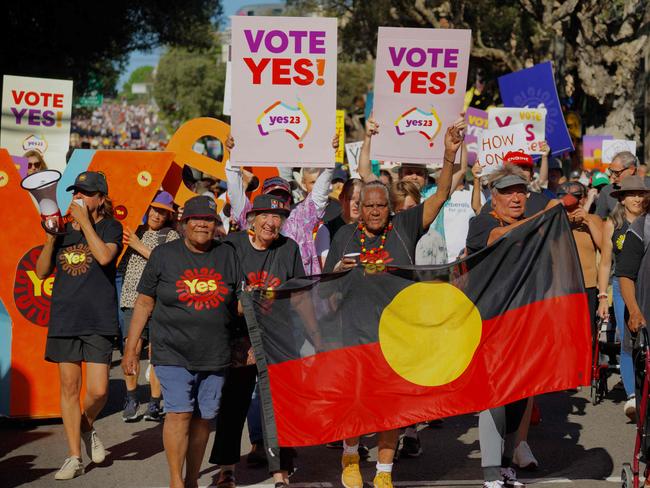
(94, 447)
(493, 484)
(630, 408)
(523, 457)
(72, 467)
(510, 478)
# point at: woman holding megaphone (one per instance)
(83, 315)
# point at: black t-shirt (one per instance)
(629, 260)
(535, 203)
(399, 247)
(196, 304)
(332, 210)
(618, 238)
(271, 267)
(479, 231)
(84, 299)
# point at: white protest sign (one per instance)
(353, 151)
(612, 147)
(36, 114)
(493, 144)
(227, 90)
(533, 120)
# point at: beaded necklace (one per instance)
(362, 240)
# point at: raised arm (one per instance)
(462, 170)
(365, 167)
(543, 167)
(453, 140)
(103, 252)
(476, 188)
(239, 202)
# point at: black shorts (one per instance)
(127, 314)
(92, 348)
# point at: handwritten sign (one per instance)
(533, 120)
(283, 90)
(495, 143)
(36, 115)
(420, 79)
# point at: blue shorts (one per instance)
(190, 391)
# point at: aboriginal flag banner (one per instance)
(379, 348)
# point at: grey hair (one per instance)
(250, 218)
(372, 185)
(506, 170)
(626, 158)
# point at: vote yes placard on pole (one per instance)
(533, 120)
(420, 79)
(283, 91)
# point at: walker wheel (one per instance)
(627, 478)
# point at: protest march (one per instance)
(448, 242)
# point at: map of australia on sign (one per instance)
(417, 120)
(282, 117)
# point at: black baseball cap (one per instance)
(200, 207)
(267, 203)
(90, 181)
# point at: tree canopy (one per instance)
(89, 42)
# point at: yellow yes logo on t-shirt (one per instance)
(76, 260)
(201, 288)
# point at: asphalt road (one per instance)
(577, 444)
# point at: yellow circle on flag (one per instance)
(429, 332)
(144, 178)
(4, 179)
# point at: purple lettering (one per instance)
(298, 37)
(253, 42)
(412, 57)
(317, 42)
(281, 47)
(451, 58)
(434, 51)
(396, 57)
(18, 114)
(34, 116)
(48, 118)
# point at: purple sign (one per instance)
(477, 122)
(535, 88)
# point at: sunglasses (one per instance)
(576, 194)
(613, 172)
(34, 165)
(85, 192)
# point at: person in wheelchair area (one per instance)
(633, 272)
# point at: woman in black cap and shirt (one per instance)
(268, 259)
(189, 288)
(83, 317)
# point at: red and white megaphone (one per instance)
(42, 186)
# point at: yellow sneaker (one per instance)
(383, 480)
(351, 475)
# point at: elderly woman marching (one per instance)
(268, 259)
(189, 288)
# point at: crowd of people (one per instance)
(119, 125)
(176, 290)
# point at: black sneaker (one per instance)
(130, 413)
(154, 412)
(410, 447)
